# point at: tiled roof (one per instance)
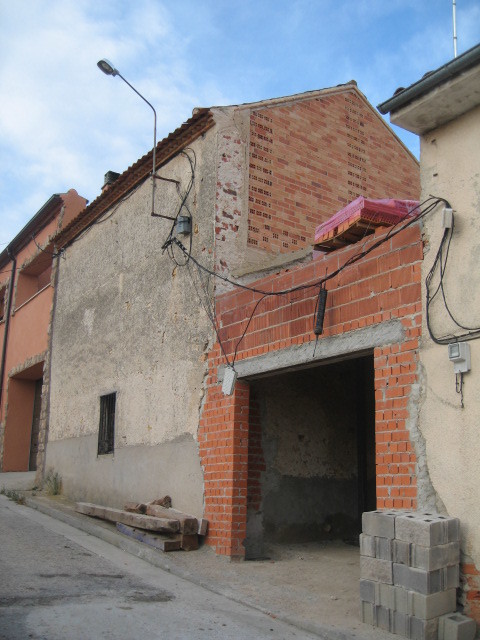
(199, 123)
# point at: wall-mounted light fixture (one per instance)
(107, 67)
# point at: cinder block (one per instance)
(431, 606)
(423, 629)
(379, 523)
(425, 582)
(385, 595)
(427, 529)
(375, 547)
(383, 618)
(367, 610)
(367, 545)
(367, 591)
(401, 624)
(376, 570)
(426, 558)
(456, 626)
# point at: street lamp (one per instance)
(107, 67)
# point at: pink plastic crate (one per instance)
(359, 218)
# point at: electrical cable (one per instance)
(54, 254)
(392, 232)
(440, 264)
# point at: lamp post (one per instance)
(108, 68)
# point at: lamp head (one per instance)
(107, 67)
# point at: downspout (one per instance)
(7, 319)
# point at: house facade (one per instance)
(26, 296)
(146, 317)
(444, 110)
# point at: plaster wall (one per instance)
(128, 320)
(450, 169)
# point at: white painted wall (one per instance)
(450, 168)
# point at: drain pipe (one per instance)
(7, 319)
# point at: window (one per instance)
(106, 431)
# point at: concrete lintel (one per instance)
(351, 344)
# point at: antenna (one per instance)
(454, 28)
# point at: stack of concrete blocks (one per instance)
(409, 572)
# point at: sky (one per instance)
(64, 124)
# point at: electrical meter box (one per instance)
(459, 354)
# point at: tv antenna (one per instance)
(454, 28)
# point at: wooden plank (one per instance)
(189, 542)
(188, 524)
(135, 507)
(202, 527)
(131, 519)
(163, 543)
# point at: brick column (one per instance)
(223, 441)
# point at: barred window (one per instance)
(106, 431)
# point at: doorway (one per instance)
(311, 454)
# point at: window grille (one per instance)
(106, 431)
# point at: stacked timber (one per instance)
(154, 523)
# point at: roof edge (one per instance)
(432, 80)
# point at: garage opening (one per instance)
(311, 455)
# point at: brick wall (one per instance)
(381, 286)
(310, 158)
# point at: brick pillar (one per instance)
(223, 441)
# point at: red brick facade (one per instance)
(382, 286)
(310, 157)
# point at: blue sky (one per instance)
(63, 124)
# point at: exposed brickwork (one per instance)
(223, 444)
(310, 158)
(382, 286)
(470, 577)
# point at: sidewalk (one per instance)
(311, 586)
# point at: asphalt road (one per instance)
(58, 583)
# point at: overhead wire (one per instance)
(439, 265)
(431, 202)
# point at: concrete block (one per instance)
(367, 591)
(367, 611)
(367, 545)
(401, 624)
(379, 523)
(383, 618)
(427, 529)
(423, 629)
(376, 547)
(376, 570)
(456, 626)
(426, 558)
(425, 582)
(431, 606)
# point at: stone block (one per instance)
(427, 529)
(376, 570)
(425, 582)
(426, 558)
(456, 626)
(379, 523)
